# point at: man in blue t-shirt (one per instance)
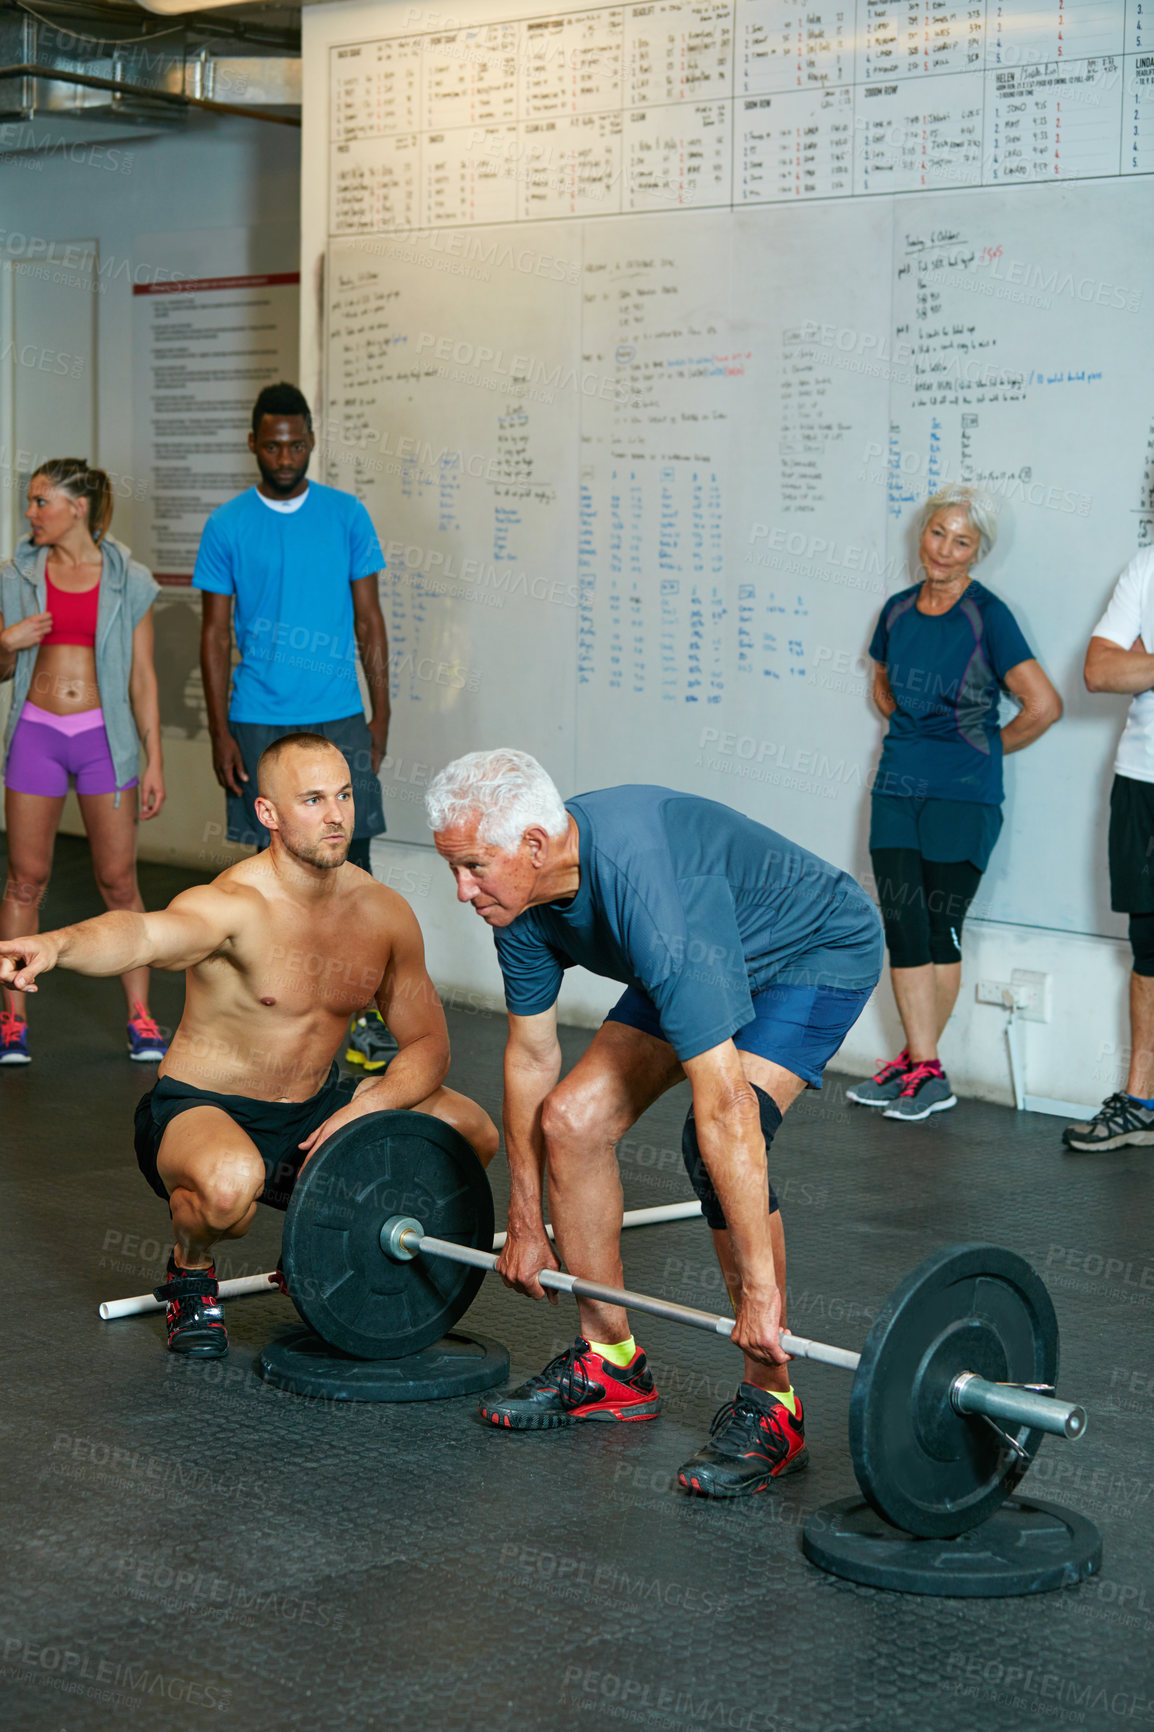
(293, 568)
(746, 960)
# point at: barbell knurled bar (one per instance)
(402, 1238)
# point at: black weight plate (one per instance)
(1025, 1547)
(458, 1364)
(341, 1282)
(925, 1468)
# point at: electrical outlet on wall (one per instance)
(1032, 994)
(1027, 992)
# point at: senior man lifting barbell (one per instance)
(279, 951)
(746, 961)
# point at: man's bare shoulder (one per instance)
(244, 878)
(231, 896)
(379, 902)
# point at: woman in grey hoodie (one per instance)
(76, 640)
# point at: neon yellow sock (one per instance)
(788, 1399)
(618, 1353)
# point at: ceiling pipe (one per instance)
(54, 75)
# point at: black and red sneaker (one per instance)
(754, 1438)
(578, 1385)
(193, 1312)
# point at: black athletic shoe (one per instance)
(193, 1312)
(753, 1439)
(578, 1385)
(370, 1042)
(1120, 1120)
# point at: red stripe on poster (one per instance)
(191, 285)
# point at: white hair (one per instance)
(978, 506)
(508, 790)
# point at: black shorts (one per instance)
(276, 1127)
(924, 904)
(1131, 846)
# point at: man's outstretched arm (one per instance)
(194, 925)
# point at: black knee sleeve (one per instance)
(694, 1165)
(1142, 943)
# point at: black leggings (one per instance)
(923, 904)
(1142, 943)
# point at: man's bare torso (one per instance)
(265, 1013)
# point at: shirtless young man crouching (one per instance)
(280, 950)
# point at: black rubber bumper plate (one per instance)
(924, 1467)
(459, 1364)
(340, 1280)
(1026, 1547)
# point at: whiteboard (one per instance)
(456, 425)
(644, 330)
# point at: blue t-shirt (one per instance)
(697, 906)
(289, 573)
(946, 672)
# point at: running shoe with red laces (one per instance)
(193, 1312)
(925, 1090)
(13, 1039)
(884, 1086)
(146, 1043)
(578, 1385)
(753, 1439)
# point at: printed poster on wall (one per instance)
(204, 348)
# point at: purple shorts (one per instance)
(47, 750)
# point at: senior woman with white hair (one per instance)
(945, 649)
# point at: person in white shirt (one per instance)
(1119, 660)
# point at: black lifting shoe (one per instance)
(578, 1385)
(753, 1439)
(193, 1312)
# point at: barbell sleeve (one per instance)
(236, 1287)
(797, 1345)
(970, 1393)
(652, 1217)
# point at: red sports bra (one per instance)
(73, 615)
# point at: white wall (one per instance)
(136, 197)
(227, 174)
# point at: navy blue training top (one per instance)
(697, 906)
(946, 672)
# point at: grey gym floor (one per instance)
(185, 1546)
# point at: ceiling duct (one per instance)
(69, 71)
(169, 8)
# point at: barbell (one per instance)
(387, 1241)
(262, 1285)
